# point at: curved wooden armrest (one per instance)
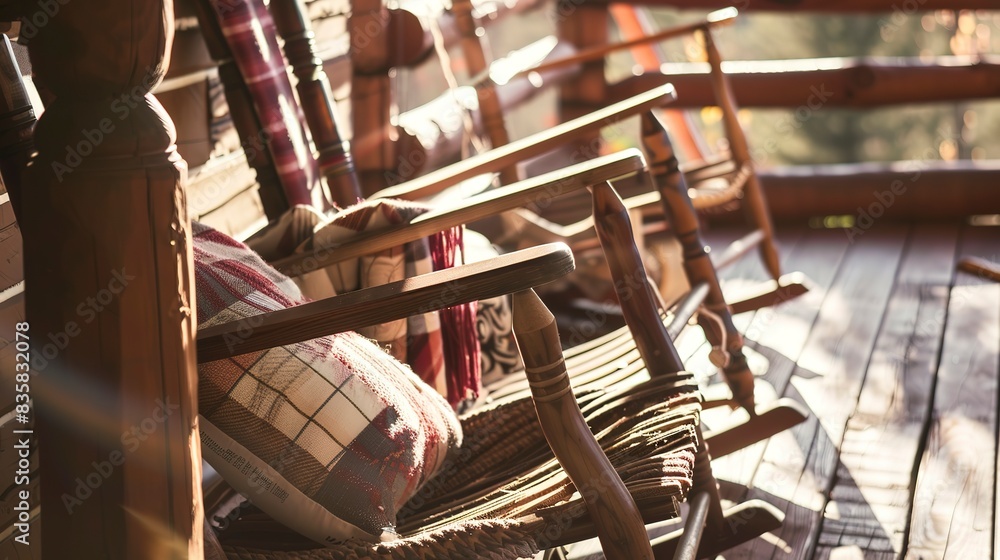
(519, 194)
(717, 18)
(508, 273)
(530, 146)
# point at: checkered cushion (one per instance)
(329, 436)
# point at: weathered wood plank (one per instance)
(870, 500)
(798, 466)
(953, 511)
(778, 336)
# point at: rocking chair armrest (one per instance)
(519, 270)
(534, 190)
(530, 146)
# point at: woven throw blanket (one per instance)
(253, 42)
(441, 347)
(329, 436)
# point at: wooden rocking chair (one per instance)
(717, 183)
(509, 497)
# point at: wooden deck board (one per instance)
(774, 356)
(870, 500)
(779, 335)
(897, 359)
(953, 512)
(798, 466)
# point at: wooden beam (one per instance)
(904, 8)
(916, 190)
(953, 511)
(870, 501)
(111, 310)
(813, 84)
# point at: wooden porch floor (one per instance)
(896, 357)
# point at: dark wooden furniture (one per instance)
(107, 256)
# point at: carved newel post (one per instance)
(110, 291)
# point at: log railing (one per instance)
(816, 84)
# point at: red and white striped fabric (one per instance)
(253, 41)
(329, 436)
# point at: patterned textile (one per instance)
(253, 42)
(441, 347)
(494, 320)
(329, 436)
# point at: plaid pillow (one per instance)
(441, 347)
(329, 436)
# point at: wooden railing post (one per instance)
(316, 97)
(109, 291)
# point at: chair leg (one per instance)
(761, 218)
(980, 267)
(754, 202)
(789, 286)
(680, 212)
(722, 529)
(770, 420)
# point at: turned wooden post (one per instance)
(616, 517)
(109, 292)
(375, 150)
(335, 162)
(249, 37)
(755, 206)
(698, 267)
(642, 315)
(584, 26)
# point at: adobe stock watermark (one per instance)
(131, 439)
(889, 26)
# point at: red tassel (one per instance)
(458, 327)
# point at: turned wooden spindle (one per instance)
(616, 517)
(639, 305)
(17, 122)
(313, 86)
(107, 254)
(755, 206)
(474, 48)
(698, 265)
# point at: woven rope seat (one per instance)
(505, 496)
